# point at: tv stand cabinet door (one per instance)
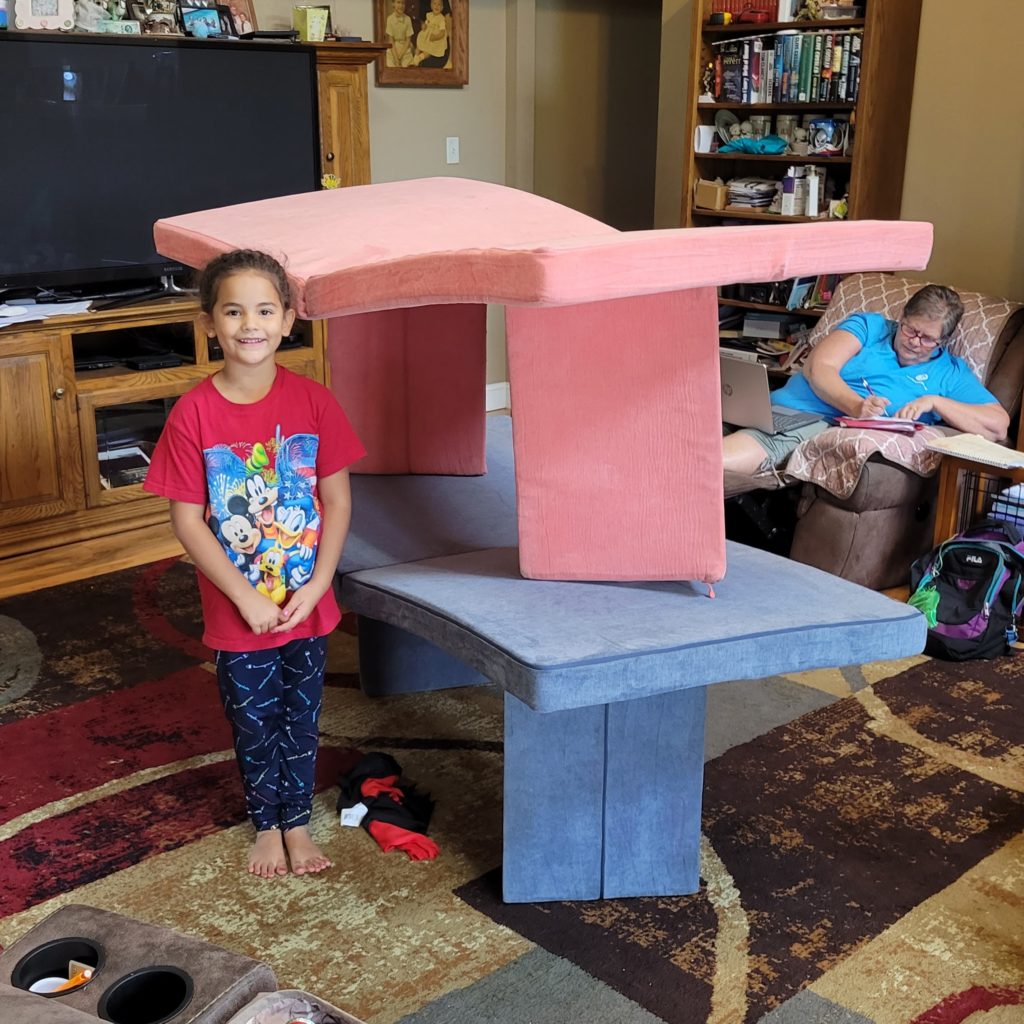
(344, 123)
(40, 460)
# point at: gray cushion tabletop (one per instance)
(559, 645)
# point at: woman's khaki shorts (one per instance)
(779, 446)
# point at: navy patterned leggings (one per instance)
(272, 700)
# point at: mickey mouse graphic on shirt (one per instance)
(264, 511)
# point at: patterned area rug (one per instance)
(862, 862)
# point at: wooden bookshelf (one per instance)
(880, 114)
(872, 171)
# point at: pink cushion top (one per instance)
(439, 240)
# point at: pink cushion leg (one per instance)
(413, 384)
(618, 444)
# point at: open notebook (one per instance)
(978, 449)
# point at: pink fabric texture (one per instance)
(353, 249)
(834, 459)
(609, 489)
(413, 384)
(613, 344)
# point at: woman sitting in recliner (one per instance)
(871, 366)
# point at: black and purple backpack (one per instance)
(971, 590)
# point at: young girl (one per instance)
(254, 461)
(398, 31)
(432, 40)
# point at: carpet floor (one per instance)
(862, 838)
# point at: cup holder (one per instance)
(147, 996)
(50, 960)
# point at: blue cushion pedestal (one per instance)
(603, 801)
(605, 683)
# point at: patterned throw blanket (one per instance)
(835, 458)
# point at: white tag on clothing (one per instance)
(353, 815)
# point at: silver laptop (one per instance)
(746, 398)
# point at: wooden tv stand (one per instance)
(71, 500)
(58, 522)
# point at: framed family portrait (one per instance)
(242, 16)
(427, 42)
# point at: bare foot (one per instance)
(304, 854)
(267, 859)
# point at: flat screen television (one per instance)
(103, 135)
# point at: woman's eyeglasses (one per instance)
(924, 340)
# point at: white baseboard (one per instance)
(498, 396)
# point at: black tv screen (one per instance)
(104, 135)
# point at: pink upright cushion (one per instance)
(413, 384)
(617, 427)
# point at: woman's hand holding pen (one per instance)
(871, 405)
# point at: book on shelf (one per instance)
(748, 355)
(894, 424)
(824, 287)
(800, 292)
(976, 448)
(766, 325)
(730, 72)
(788, 66)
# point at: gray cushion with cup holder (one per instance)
(144, 973)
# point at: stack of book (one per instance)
(789, 66)
(776, 340)
(751, 192)
(812, 292)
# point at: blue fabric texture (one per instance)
(603, 802)
(559, 645)
(404, 518)
(944, 374)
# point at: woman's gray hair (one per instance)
(936, 301)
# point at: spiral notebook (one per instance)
(978, 449)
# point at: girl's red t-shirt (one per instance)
(255, 469)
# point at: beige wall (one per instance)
(673, 98)
(965, 162)
(595, 113)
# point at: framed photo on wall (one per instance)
(427, 40)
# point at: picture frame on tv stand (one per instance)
(201, 22)
(49, 15)
(156, 23)
(242, 16)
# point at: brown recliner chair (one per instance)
(863, 516)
